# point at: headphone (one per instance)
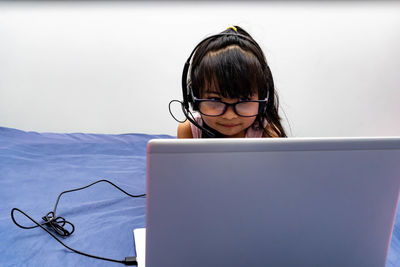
(187, 90)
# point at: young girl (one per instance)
(231, 89)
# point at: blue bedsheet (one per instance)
(36, 167)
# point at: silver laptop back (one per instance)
(271, 202)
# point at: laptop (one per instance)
(271, 202)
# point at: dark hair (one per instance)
(232, 65)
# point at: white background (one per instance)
(113, 67)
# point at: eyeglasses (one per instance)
(244, 108)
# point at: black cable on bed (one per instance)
(58, 223)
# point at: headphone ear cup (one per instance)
(262, 108)
(193, 105)
(185, 85)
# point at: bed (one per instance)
(36, 167)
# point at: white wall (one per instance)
(106, 67)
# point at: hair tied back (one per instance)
(233, 28)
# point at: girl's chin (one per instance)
(231, 132)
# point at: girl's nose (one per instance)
(229, 113)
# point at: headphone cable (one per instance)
(58, 223)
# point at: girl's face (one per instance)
(229, 124)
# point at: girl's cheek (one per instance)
(210, 121)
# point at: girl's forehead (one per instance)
(213, 91)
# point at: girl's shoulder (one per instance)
(184, 130)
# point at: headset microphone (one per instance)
(203, 129)
(190, 118)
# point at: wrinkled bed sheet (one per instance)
(36, 167)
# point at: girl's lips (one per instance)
(229, 125)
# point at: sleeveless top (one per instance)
(252, 132)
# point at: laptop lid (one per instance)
(271, 202)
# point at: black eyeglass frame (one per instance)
(197, 101)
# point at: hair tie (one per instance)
(233, 28)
